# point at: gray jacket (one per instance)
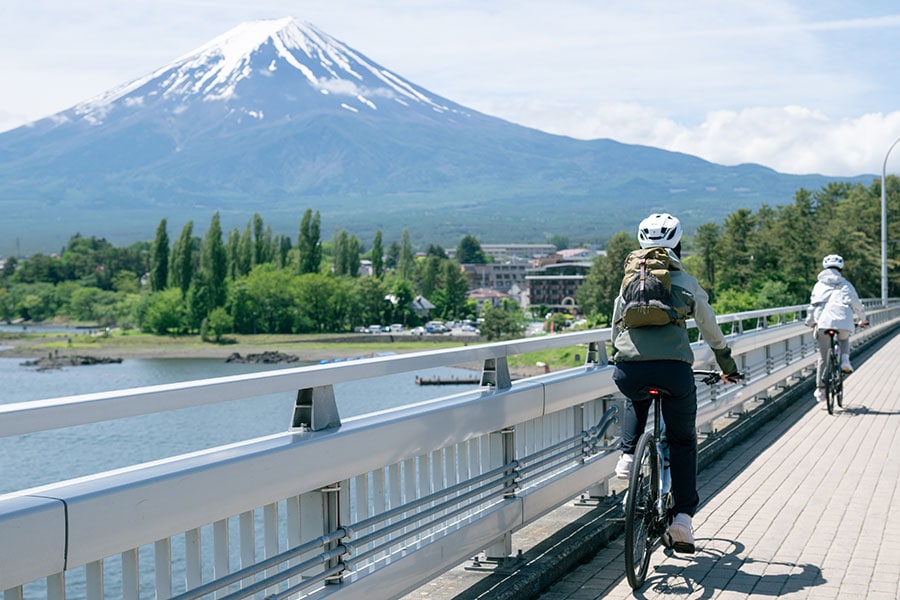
(669, 342)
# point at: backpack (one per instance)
(647, 290)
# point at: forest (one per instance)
(253, 281)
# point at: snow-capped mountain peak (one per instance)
(285, 51)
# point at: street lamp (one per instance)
(884, 270)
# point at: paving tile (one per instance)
(807, 508)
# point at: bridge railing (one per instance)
(370, 506)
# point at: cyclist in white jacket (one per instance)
(834, 304)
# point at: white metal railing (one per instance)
(389, 499)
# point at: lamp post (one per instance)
(884, 270)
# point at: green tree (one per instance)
(323, 302)
(405, 260)
(706, 241)
(339, 253)
(165, 312)
(265, 301)
(181, 269)
(504, 321)
(219, 322)
(309, 246)
(449, 297)
(40, 268)
(401, 296)
(127, 282)
(369, 304)
(159, 259)
(260, 241)
(208, 286)
(376, 255)
(245, 251)
(353, 258)
(92, 305)
(232, 250)
(469, 251)
(282, 246)
(736, 247)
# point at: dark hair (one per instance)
(677, 250)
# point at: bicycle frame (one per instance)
(647, 504)
(833, 376)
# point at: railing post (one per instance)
(315, 409)
(601, 488)
(495, 374)
(596, 355)
(503, 448)
(332, 521)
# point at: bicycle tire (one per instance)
(839, 379)
(640, 511)
(830, 382)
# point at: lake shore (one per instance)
(308, 349)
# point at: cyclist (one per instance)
(661, 356)
(833, 305)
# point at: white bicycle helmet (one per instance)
(833, 261)
(661, 230)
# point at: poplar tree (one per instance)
(309, 247)
(159, 259)
(232, 251)
(214, 264)
(245, 252)
(181, 261)
(405, 260)
(353, 251)
(339, 253)
(376, 255)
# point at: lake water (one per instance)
(55, 455)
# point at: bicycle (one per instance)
(649, 498)
(833, 376)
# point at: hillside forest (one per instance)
(253, 281)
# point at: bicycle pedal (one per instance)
(683, 548)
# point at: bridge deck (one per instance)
(808, 508)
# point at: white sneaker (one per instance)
(818, 395)
(681, 534)
(623, 467)
(846, 367)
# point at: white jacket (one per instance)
(834, 303)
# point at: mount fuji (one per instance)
(276, 116)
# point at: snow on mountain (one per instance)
(305, 67)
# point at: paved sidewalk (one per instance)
(808, 508)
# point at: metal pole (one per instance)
(884, 269)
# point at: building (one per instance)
(510, 252)
(483, 296)
(500, 253)
(555, 285)
(497, 276)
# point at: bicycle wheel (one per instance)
(829, 376)
(838, 378)
(640, 511)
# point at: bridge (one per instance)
(380, 505)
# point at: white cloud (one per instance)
(791, 139)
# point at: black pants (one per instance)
(679, 410)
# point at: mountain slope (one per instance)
(276, 116)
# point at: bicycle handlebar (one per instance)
(711, 377)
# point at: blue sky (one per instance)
(802, 87)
